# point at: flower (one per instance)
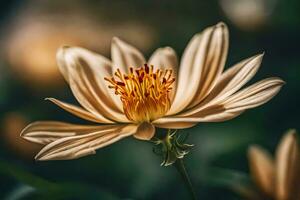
(277, 179)
(129, 96)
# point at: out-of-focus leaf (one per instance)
(237, 181)
(71, 191)
(10, 170)
(20, 192)
(44, 189)
(226, 178)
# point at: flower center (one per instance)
(143, 92)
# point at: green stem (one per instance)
(179, 165)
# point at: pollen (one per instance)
(143, 92)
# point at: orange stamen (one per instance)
(143, 92)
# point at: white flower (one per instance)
(132, 98)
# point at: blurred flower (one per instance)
(146, 97)
(12, 124)
(33, 38)
(31, 53)
(276, 179)
(248, 14)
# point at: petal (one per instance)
(254, 95)
(212, 114)
(98, 65)
(125, 56)
(201, 65)
(145, 131)
(230, 82)
(174, 125)
(85, 99)
(166, 58)
(79, 112)
(44, 132)
(287, 165)
(78, 146)
(250, 97)
(237, 76)
(262, 169)
(85, 74)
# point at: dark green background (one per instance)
(129, 169)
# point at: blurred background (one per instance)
(32, 30)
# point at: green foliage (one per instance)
(39, 188)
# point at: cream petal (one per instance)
(88, 98)
(237, 76)
(73, 147)
(254, 95)
(124, 56)
(287, 165)
(174, 125)
(217, 115)
(201, 65)
(145, 131)
(85, 74)
(262, 169)
(79, 112)
(166, 58)
(98, 66)
(45, 132)
(230, 81)
(250, 97)
(61, 62)
(85, 98)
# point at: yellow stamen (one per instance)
(143, 92)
